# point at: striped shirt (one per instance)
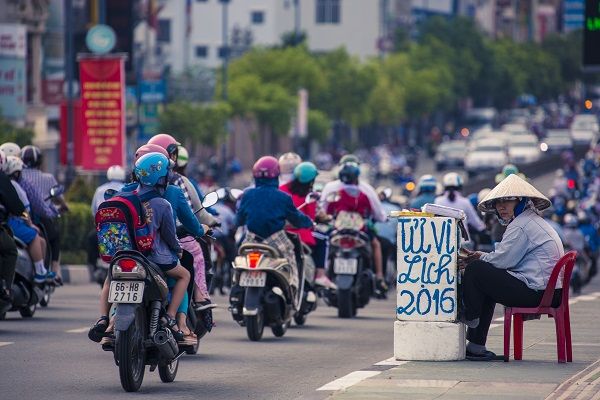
(38, 205)
(42, 181)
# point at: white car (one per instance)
(484, 135)
(450, 154)
(485, 155)
(515, 129)
(557, 140)
(583, 128)
(524, 149)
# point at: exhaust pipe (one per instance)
(166, 344)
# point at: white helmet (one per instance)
(182, 156)
(2, 161)
(13, 164)
(571, 221)
(452, 179)
(115, 173)
(11, 149)
(288, 161)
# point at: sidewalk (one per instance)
(537, 376)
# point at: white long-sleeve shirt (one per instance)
(464, 204)
(376, 207)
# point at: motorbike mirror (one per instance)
(236, 193)
(210, 199)
(312, 197)
(109, 193)
(221, 193)
(56, 190)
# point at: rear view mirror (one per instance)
(56, 190)
(210, 199)
(236, 193)
(221, 193)
(312, 197)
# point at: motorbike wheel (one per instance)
(28, 311)
(280, 330)
(255, 325)
(45, 300)
(130, 354)
(299, 318)
(168, 372)
(344, 303)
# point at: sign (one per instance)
(100, 39)
(149, 123)
(64, 139)
(427, 269)
(103, 112)
(52, 91)
(153, 91)
(13, 88)
(13, 40)
(131, 106)
(591, 34)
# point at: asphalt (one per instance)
(49, 356)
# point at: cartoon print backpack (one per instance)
(121, 224)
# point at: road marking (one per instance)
(586, 297)
(6, 343)
(492, 326)
(79, 330)
(391, 361)
(348, 380)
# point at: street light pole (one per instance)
(224, 72)
(296, 22)
(69, 59)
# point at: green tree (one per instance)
(201, 123)
(319, 126)
(12, 133)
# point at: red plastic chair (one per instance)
(560, 314)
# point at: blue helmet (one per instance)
(349, 173)
(305, 172)
(427, 183)
(152, 169)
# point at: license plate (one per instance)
(253, 278)
(345, 266)
(126, 292)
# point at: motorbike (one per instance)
(349, 265)
(27, 294)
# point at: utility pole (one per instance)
(69, 60)
(297, 16)
(224, 71)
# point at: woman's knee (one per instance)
(179, 273)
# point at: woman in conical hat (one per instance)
(516, 273)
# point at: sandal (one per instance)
(171, 324)
(485, 356)
(96, 332)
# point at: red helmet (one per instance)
(165, 141)
(150, 148)
(266, 167)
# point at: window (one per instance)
(257, 17)
(223, 51)
(328, 12)
(164, 30)
(201, 51)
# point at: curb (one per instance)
(75, 274)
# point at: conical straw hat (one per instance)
(514, 186)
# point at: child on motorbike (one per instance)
(265, 209)
(299, 187)
(151, 171)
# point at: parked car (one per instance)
(515, 129)
(557, 140)
(583, 128)
(483, 135)
(450, 154)
(524, 149)
(485, 155)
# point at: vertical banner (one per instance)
(302, 119)
(103, 112)
(427, 269)
(13, 75)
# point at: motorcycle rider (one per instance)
(10, 205)
(11, 149)
(151, 171)
(189, 243)
(265, 209)
(354, 197)
(115, 175)
(508, 169)
(43, 182)
(452, 197)
(298, 188)
(426, 188)
(22, 226)
(387, 231)
(287, 163)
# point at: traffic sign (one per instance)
(101, 39)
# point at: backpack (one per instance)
(121, 224)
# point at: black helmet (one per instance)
(349, 173)
(31, 156)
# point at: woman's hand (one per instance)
(466, 256)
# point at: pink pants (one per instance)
(190, 245)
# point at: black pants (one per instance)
(52, 236)
(8, 255)
(388, 249)
(484, 285)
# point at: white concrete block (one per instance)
(429, 341)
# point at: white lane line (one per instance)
(5, 343)
(586, 297)
(492, 326)
(79, 330)
(391, 361)
(348, 380)
(499, 319)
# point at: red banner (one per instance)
(103, 113)
(64, 139)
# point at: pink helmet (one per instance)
(266, 167)
(165, 141)
(150, 148)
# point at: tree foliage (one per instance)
(203, 123)
(12, 133)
